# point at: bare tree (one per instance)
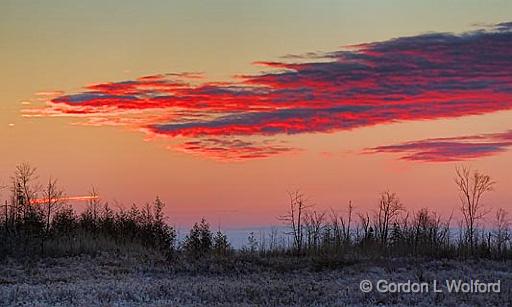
(314, 223)
(25, 177)
(17, 202)
(94, 203)
(388, 210)
(272, 238)
(472, 186)
(53, 200)
(428, 230)
(364, 220)
(345, 225)
(341, 226)
(5, 208)
(294, 218)
(335, 228)
(24, 191)
(502, 230)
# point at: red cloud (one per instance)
(39, 201)
(410, 78)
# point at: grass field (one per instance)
(115, 280)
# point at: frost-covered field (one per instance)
(130, 281)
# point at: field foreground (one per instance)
(133, 281)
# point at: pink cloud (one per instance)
(450, 149)
(422, 77)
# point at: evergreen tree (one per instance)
(221, 244)
(199, 241)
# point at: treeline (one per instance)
(36, 220)
(392, 230)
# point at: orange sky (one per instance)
(59, 49)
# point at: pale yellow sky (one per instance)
(64, 45)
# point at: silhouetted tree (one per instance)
(388, 210)
(294, 218)
(64, 222)
(502, 229)
(314, 224)
(52, 200)
(199, 243)
(472, 186)
(27, 188)
(164, 235)
(221, 245)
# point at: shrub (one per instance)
(199, 241)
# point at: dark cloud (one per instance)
(234, 149)
(430, 76)
(450, 149)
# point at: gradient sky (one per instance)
(341, 99)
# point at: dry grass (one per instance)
(123, 280)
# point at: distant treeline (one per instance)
(36, 220)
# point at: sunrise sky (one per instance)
(221, 107)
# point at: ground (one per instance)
(134, 281)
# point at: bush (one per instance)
(90, 232)
(199, 241)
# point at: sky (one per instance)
(223, 107)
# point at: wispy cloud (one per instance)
(65, 199)
(450, 149)
(233, 149)
(430, 76)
